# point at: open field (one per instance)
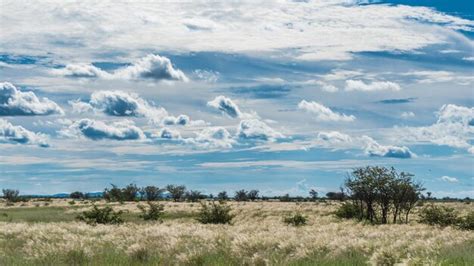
(34, 234)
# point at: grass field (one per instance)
(35, 234)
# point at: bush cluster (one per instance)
(296, 219)
(445, 216)
(215, 213)
(154, 212)
(98, 215)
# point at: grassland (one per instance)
(46, 233)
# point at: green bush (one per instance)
(438, 215)
(296, 220)
(98, 215)
(215, 213)
(348, 210)
(467, 222)
(154, 212)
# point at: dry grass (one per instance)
(258, 236)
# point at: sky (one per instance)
(279, 96)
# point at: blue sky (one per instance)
(280, 96)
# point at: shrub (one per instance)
(98, 215)
(215, 213)
(72, 202)
(152, 193)
(467, 222)
(296, 220)
(11, 195)
(253, 194)
(194, 196)
(438, 215)
(348, 210)
(76, 195)
(154, 212)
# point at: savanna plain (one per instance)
(47, 232)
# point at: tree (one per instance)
(252, 194)
(113, 194)
(379, 191)
(76, 195)
(313, 194)
(241, 195)
(130, 192)
(194, 195)
(11, 195)
(177, 192)
(152, 193)
(222, 196)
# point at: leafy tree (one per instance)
(152, 193)
(252, 194)
(77, 195)
(194, 195)
(380, 191)
(313, 194)
(215, 213)
(177, 192)
(241, 195)
(113, 194)
(130, 192)
(335, 195)
(154, 212)
(11, 195)
(222, 196)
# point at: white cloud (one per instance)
(81, 71)
(226, 106)
(321, 30)
(407, 115)
(153, 67)
(166, 133)
(449, 179)
(14, 102)
(18, 134)
(375, 149)
(214, 137)
(334, 137)
(454, 128)
(323, 113)
(181, 120)
(99, 130)
(359, 85)
(120, 103)
(323, 85)
(429, 77)
(254, 129)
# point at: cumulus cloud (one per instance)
(254, 129)
(323, 113)
(99, 130)
(407, 115)
(214, 137)
(166, 133)
(10, 133)
(226, 106)
(334, 137)
(120, 103)
(14, 102)
(454, 128)
(359, 85)
(181, 120)
(81, 71)
(375, 149)
(153, 67)
(449, 179)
